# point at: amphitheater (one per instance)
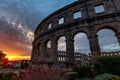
(87, 16)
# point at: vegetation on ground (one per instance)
(105, 68)
(109, 65)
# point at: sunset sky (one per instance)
(19, 19)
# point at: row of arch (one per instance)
(69, 44)
(105, 42)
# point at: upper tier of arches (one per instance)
(81, 12)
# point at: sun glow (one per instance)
(10, 57)
(18, 57)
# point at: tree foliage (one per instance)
(83, 70)
(108, 65)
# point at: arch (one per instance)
(61, 43)
(76, 32)
(114, 29)
(59, 36)
(107, 41)
(46, 41)
(81, 43)
(49, 44)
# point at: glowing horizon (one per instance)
(17, 56)
(12, 58)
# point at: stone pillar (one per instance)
(94, 46)
(69, 48)
(35, 53)
(118, 37)
(53, 54)
(43, 51)
(38, 49)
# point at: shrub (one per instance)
(83, 70)
(106, 77)
(108, 65)
(71, 75)
(1, 75)
(7, 76)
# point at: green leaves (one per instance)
(83, 70)
(108, 65)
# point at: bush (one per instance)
(106, 77)
(7, 76)
(109, 65)
(71, 76)
(1, 75)
(83, 70)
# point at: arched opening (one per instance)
(61, 49)
(61, 44)
(81, 43)
(49, 44)
(81, 48)
(48, 47)
(108, 41)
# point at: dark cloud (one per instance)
(31, 12)
(12, 38)
(13, 31)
